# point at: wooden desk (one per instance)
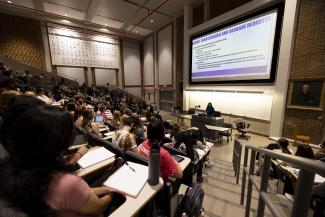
(133, 205)
(215, 128)
(83, 172)
(183, 166)
(183, 116)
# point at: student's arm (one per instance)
(95, 205)
(100, 191)
(133, 143)
(281, 164)
(95, 130)
(76, 156)
(179, 173)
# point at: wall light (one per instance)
(152, 21)
(105, 29)
(66, 21)
(9, 2)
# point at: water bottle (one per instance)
(154, 164)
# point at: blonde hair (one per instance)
(116, 118)
(177, 127)
(30, 93)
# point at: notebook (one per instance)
(95, 156)
(126, 181)
(109, 134)
(318, 178)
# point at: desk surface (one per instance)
(209, 127)
(76, 146)
(103, 129)
(83, 172)
(133, 205)
(183, 165)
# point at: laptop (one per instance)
(99, 118)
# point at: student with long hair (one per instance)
(116, 121)
(283, 143)
(40, 183)
(86, 121)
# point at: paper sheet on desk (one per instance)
(318, 178)
(200, 152)
(95, 156)
(126, 181)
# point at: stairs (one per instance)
(222, 194)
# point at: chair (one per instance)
(241, 127)
(173, 151)
(111, 147)
(191, 111)
(166, 140)
(111, 127)
(81, 135)
(140, 140)
(226, 133)
(93, 140)
(305, 139)
(136, 158)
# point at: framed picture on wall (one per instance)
(306, 93)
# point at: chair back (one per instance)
(81, 135)
(140, 140)
(112, 127)
(111, 147)
(173, 151)
(240, 123)
(273, 146)
(294, 130)
(93, 140)
(166, 140)
(136, 158)
(191, 111)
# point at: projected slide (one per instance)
(238, 52)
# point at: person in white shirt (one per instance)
(40, 95)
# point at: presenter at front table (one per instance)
(209, 107)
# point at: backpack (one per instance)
(192, 201)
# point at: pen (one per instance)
(129, 166)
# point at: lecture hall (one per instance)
(162, 108)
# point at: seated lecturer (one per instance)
(209, 108)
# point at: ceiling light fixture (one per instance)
(65, 15)
(105, 29)
(136, 31)
(105, 24)
(66, 21)
(9, 2)
(152, 21)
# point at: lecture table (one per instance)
(132, 206)
(214, 128)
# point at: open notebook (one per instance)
(95, 156)
(128, 180)
(318, 178)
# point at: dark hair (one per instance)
(48, 131)
(130, 120)
(47, 93)
(102, 108)
(189, 145)
(39, 90)
(305, 151)
(196, 134)
(155, 131)
(78, 112)
(87, 115)
(16, 106)
(201, 138)
(283, 143)
(176, 127)
(180, 140)
(71, 106)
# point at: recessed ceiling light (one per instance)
(136, 31)
(152, 21)
(9, 2)
(66, 21)
(105, 29)
(105, 24)
(65, 15)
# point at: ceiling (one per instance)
(124, 18)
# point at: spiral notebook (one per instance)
(128, 180)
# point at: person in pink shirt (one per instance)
(36, 179)
(168, 166)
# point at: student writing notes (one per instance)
(37, 181)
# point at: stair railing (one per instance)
(305, 182)
(236, 158)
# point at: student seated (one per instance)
(168, 166)
(116, 121)
(321, 153)
(125, 138)
(49, 95)
(86, 121)
(41, 185)
(41, 95)
(102, 109)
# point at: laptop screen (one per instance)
(99, 118)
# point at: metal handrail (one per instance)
(308, 168)
(66, 76)
(134, 94)
(236, 158)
